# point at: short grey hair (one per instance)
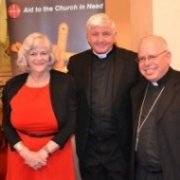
(32, 41)
(101, 19)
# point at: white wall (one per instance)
(166, 23)
(159, 17)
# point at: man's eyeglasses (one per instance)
(149, 58)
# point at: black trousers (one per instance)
(143, 174)
(103, 160)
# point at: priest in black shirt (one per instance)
(104, 76)
(156, 112)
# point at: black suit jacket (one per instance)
(62, 93)
(168, 125)
(125, 76)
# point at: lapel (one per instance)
(137, 96)
(87, 75)
(118, 68)
(170, 91)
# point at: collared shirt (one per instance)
(102, 124)
(148, 148)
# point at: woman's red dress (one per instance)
(32, 112)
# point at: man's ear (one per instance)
(168, 55)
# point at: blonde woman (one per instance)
(39, 116)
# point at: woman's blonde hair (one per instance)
(32, 41)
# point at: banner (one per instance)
(64, 21)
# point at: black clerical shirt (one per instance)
(148, 149)
(102, 124)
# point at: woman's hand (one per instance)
(35, 160)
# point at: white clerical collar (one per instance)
(102, 56)
(155, 84)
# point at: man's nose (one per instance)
(147, 61)
(100, 38)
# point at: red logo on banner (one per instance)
(14, 11)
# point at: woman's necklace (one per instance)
(140, 125)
